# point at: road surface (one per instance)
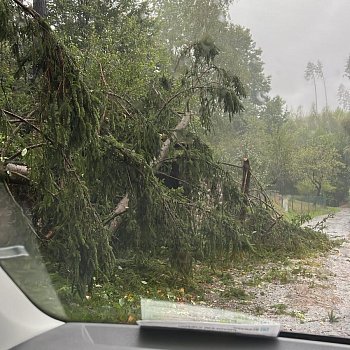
(308, 296)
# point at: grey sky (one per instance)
(293, 32)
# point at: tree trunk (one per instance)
(39, 6)
(314, 80)
(325, 92)
(318, 188)
(122, 206)
(246, 176)
(166, 145)
(14, 173)
(245, 187)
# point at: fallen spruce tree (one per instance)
(106, 173)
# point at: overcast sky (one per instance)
(293, 32)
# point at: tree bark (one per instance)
(245, 187)
(314, 80)
(14, 173)
(325, 91)
(246, 176)
(166, 145)
(39, 6)
(122, 206)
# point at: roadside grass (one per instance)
(118, 299)
(280, 309)
(302, 209)
(283, 309)
(237, 293)
(332, 318)
(275, 275)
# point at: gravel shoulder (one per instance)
(308, 296)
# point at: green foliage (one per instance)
(118, 300)
(286, 238)
(190, 21)
(5, 23)
(236, 293)
(322, 160)
(300, 219)
(88, 160)
(107, 101)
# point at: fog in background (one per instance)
(293, 32)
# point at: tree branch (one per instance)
(166, 145)
(29, 10)
(20, 121)
(15, 168)
(109, 93)
(121, 208)
(24, 120)
(14, 172)
(28, 147)
(175, 178)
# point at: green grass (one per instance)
(275, 275)
(118, 300)
(280, 309)
(304, 208)
(237, 293)
(332, 318)
(291, 215)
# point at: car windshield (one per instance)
(188, 151)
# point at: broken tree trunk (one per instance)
(246, 176)
(122, 206)
(245, 187)
(40, 7)
(166, 145)
(15, 173)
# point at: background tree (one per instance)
(310, 74)
(319, 72)
(343, 92)
(344, 97)
(347, 68)
(318, 162)
(40, 7)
